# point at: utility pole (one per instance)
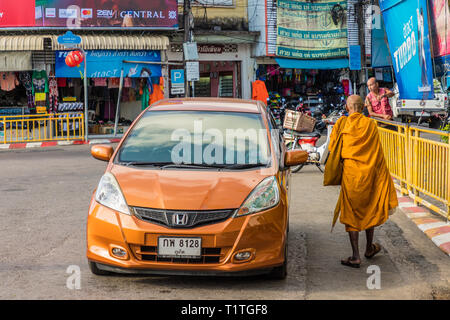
(187, 17)
(361, 75)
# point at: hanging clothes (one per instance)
(158, 91)
(8, 81)
(53, 94)
(39, 81)
(259, 91)
(25, 79)
(144, 97)
(100, 82)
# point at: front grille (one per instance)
(149, 253)
(182, 219)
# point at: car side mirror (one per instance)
(102, 152)
(295, 157)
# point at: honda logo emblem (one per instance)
(180, 219)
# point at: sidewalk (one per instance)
(9, 146)
(434, 226)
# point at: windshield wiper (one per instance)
(143, 163)
(193, 165)
(245, 166)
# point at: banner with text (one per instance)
(311, 30)
(108, 64)
(409, 44)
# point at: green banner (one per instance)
(307, 30)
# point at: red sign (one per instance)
(440, 27)
(17, 13)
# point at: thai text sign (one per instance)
(108, 64)
(308, 30)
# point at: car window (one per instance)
(199, 137)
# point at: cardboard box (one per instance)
(106, 130)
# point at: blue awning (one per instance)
(312, 64)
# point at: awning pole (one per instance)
(118, 103)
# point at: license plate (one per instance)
(425, 114)
(179, 247)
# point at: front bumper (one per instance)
(263, 234)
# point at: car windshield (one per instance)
(202, 138)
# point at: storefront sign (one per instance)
(307, 30)
(409, 44)
(69, 39)
(108, 64)
(15, 13)
(210, 48)
(89, 14)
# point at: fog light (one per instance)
(118, 252)
(244, 255)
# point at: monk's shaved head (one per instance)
(355, 103)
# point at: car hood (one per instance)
(176, 189)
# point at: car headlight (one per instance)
(109, 194)
(265, 196)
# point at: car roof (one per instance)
(207, 104)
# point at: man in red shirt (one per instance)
(377, 101)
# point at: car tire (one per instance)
(95, 270)
(280, 273)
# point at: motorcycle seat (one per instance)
(313, 134)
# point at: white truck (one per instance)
(421, 111)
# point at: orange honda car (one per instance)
(196, 186)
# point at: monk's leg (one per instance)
(371, 247)
(354, 237)
(369, 238)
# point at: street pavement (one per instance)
(45, 193)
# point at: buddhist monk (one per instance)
(367, 189)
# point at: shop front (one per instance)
(224, 70)
(124, 74)
(308, 80)
(121, 85)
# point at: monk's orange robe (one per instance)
(367, 189)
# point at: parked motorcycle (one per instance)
(317, 155)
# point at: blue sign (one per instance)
(354, 57)
(69, 39)
(109, 63)
(409, 43)
(380, 50)
(177, 77)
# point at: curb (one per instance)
(14, 146)
(434, 228)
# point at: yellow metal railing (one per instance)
(419, 160)
(41, 127)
